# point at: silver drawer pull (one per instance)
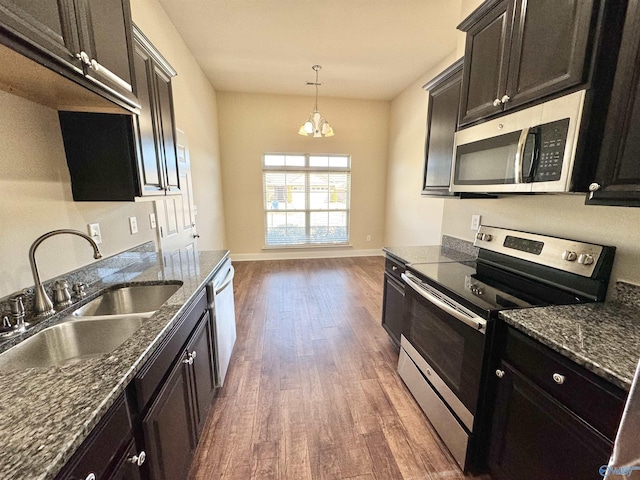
(559, 379)
(91, 476)
(394, 268)
(138, 459)
(499, 373)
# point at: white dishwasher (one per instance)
(221, 306)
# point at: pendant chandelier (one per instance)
(316, 125)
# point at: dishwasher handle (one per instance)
(227, 280)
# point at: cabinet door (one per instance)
(549, 48)
(617, 180)
(49, 25)
(168, 428)
(442, 120)
(149, 160)
(485, 64)
(106, 36)
(127, 469)
(203, 380)
(535, 437)
(166, 129)
(393, 307)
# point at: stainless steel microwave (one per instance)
(531, 150)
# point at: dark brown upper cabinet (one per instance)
(113, 157)
(442, 120)
(518, 52)
(617, 180)
(86, 41)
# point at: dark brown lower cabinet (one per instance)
(129, 469)
(552, 418)
(393, 299)
(535, 437)
(203, 380)
(108, 452)
(168, 428)
(172, 424)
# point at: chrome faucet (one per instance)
(42, 303)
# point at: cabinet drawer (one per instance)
(593, 399)
(148, 380)
(394, 268)
(103, 446)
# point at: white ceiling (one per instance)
(370, 49)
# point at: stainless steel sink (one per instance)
(141, 300)
(70, 342)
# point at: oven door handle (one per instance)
(478, 323)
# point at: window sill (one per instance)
(302, 247)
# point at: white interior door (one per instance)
(176, 213)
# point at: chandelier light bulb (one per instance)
(316, 125)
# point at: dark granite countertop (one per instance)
(602, 337)
(46, 413)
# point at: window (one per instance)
(306, 199)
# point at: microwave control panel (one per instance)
(552, 138)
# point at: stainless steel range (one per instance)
(450, 310)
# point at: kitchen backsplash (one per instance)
(459, 244)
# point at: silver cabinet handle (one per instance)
(91, 476)
(190, 358)
(138, 459)
(505, 99)
(84, 58)
(499, 373)
(97, 67)
(394, 268)
(559, 379)
(497, 102)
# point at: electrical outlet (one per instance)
(475, 222)
(133, 225)
(368, 238)
(94, 232)
(152, 220)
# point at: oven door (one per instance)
(449, 341)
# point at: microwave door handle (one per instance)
(475, 322)
(518, 165)
(535, 132)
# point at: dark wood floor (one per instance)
(312, 391)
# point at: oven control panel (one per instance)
(568, 255)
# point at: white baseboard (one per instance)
(298, 254)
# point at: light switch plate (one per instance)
(152, 220)
(475, 222)
(94, 232)
(133, 225)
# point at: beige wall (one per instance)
(35, 194)
(252, 124)
(411, 218)
(196, 114)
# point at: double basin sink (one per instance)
(97, 328)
